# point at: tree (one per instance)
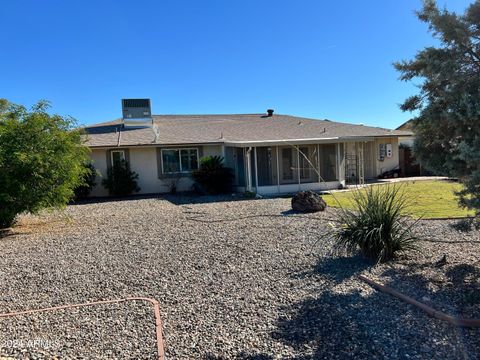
(447, 125)
(41, 160)
(121, 180)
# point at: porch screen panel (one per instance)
(234, 160)
(266, 166)
(328, 162)
(288, 165)
(308, 165)
(239, 161)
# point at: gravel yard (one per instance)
(235, 280)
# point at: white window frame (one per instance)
(179, 160)
(117, 151)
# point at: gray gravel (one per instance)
(231, 284)
(101, 332)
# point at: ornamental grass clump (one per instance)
(377, 226)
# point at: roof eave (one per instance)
(154, 145)
(280, 142)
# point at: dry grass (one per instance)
(50, 222)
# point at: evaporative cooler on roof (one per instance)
(136, 112)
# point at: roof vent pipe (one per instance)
(269, 112)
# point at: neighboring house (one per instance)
(407, 141)
(268, 153)
(408, 163)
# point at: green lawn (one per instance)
(427, 199)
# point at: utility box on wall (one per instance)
(385, 150)
(389, 150)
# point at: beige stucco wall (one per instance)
(143, 161)
(99, 158)
(388, 163)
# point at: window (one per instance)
(179, 160)
(170, 161)
(117, 155)
(189, 159)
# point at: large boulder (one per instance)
(308, 201)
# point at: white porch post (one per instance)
(338, 162)
(248, 169)
(318, 164)
(342, 180)
(298, 168)
(256, 169)
(277, 150)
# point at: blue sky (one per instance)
(314, 58)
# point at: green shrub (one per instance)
(82, 191)
(121, 180)
(213, 176)
(41, 160)
(376, 226)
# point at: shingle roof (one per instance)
(198, 129)
(407, 126)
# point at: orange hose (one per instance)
(156, 310)
(429, 310)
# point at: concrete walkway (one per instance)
(413, 178)
(389, 181)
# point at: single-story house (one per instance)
(269, 153)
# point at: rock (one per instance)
(308, 201)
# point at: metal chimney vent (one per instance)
(136, 112)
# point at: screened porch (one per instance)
(286, 169)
